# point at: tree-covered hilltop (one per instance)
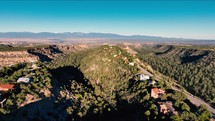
(192, 66)
(11, 48)
(18, 48)
(106, 88)
(106, 68)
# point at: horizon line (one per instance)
(106, 33)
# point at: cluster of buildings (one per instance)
(164, 107)
(4, 88)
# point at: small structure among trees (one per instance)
(6, 87)
(167, 107)
(156, 93)
(143, 77)
(23, 80)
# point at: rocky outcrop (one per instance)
(8, 58)
(72, 48)
(46, 53)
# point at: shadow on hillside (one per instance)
(43, 110)
(51, 109)
(194, 58)
(67, 73)
(64, 75)
(193, 107)
(124, 112)
(48, 109)
(169, 49)
(42, 57)
(54, 49)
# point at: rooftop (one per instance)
(7, 86)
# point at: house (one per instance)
(163, 108)
(131, 63)
(23, 80)
(143, 77)
(156, 93)
(166, 107)
(6, 87)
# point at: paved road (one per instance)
(195, 100)
(144, 71)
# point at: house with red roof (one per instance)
(167, 107)
(156, 93)
(6, 87)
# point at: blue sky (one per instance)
(186, 19)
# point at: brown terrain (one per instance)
(34, 54)
(8, 58)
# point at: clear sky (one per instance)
(186, 19)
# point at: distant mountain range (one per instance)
(108, 36)
(74, 35)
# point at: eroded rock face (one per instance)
(46, 53)
(8, 58)
(42, 54)
(72, 48)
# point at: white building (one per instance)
(23, 80)
(143, 77)
(131, 64)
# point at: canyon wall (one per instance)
(8, 58)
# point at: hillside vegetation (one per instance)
(106, 68)
(89, 85)
(40, 80)
(192, 67)
(104, 87)
(18, 48)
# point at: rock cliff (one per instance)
(8, 58)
